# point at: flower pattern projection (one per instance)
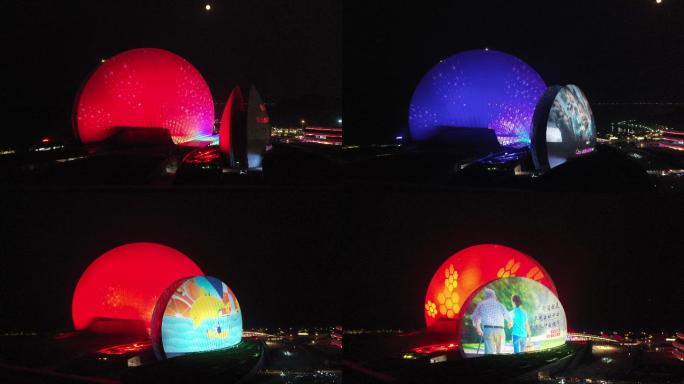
(145, 88)
(448, 299)
(451, 278)
(449, 303)
(535, 274)
(431, 308)
(509, 269)
(466, 271)
(477, 89)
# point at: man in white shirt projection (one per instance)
(488, 319)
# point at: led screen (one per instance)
(145, 88)
(477, 89)
(512, 315)
(563, 127)
(123, 284)
(196, 314)
(258, 129)
(245, 129)
(468, 270)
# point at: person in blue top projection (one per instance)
(521, 325)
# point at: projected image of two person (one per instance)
(513, 315)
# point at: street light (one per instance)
(339, 121)
(303, 123)
(207, 7)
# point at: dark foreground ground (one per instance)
(368, 359)
(79, 357)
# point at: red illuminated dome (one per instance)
(125, 282)
(466, 271)
(145, 88)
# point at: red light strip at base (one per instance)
(675, 147)
(678, 346)
(678, 355)
(124, 349)
(429, 349)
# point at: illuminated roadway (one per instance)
(298, 359)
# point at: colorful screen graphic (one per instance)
(196, 314)
(145, 88)
(512, 315)
(563, 128)
(118, 291)
(477, 89)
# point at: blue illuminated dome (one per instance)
(477, 89)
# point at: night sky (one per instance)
(350, 254)
(356, 255)
(616, 51)
(276, 248)
(290, 50)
